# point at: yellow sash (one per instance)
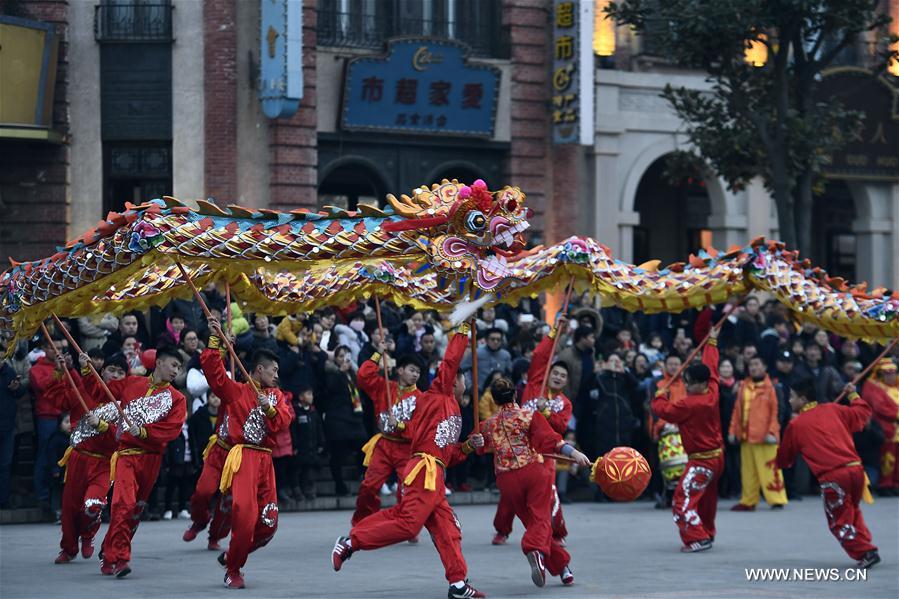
(429, 463)
(63, 461)
(705, 455)
(115, 459)
(593, 469)
(369, 448)
(212, 439)
(866, 493)
(232, 464)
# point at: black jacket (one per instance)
(342, 422)
(307, 432)
(9, 399)
(868, 442)
(297, 369)
(56, 448)
(613, 409)
(199, 428)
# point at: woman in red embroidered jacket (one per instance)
(92, 444)
(698, 417)
(253, 420)
(823, 435)
(434, 431)
(157, 412)
(518, 437)
(556, 408)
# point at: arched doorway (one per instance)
(674, 218)
(350, 182)
(464, 172)
(833, 241)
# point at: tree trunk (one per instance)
(783, 200)
(803, 214)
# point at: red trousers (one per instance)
(842, 490)
(207, 502)
(529, 492)
(134, 479)
(83, 499)
(387, 457)
(254, 507)
(889, 465)
(695, 501)
(417, 507)
(505, 515)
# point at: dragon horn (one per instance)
(407, 206)
(466, 309)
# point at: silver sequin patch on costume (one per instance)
(84, 431)
(402, 411)
(555, 405)
(255, 428)
(448, 431)
(150, 409)
(93, 507)
(223, 428)
(834, 496)
(270, 514)
(690, 484)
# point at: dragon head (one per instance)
(476, 230)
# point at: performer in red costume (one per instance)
(823, 435)
(556, 408)
(207, 502)
(881, 391)
(434, 432)
(252, 420)
(518, 436)
(387, 451)
(86, 460)
(157, 412)
(695, 500)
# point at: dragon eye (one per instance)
(476, 221)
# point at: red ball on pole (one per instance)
(622, 474)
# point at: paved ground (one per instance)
(622, 550)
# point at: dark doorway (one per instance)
(352, 183)
(673, 217)
(136, 173)
(833, 241)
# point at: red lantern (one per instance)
(622, 474)
(148, 359)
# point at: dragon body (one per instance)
(434, 248)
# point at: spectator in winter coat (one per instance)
(301, 365)
(282, 457)
(353, 335)
(263, 334)
(828, 383)
(95, 329)
(179, 477)
(868, 443)
(57, 445)
(129, 326)
(174, 324)
(581, 362)
(11, 389)
(488, 320)
(491, 356)
(308, 435)
(342, 414)
(289, 328)
(201, 426)
(612, 415)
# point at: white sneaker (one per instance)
(184, 515)
(385, 489)
(167, 515)
(447, 491)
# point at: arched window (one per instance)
(350, 183)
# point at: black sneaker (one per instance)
(869, 559)
(465, 592)
(538, 569)
(341, 552)
(697, 546)
(222, 559)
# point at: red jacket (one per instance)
(886, 408)
(48, 386)
(558, 408)
(437, 422)
(161, 411)
(370, 380)
(246, 422)
(697, 416)
(823, 435)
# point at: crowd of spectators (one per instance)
(615, 361)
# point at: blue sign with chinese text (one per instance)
(422, 86)
(281, 57)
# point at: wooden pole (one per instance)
(384, 355)
(695, 351)
(67, 373)
(555, 340)
(96, 374)
(230, 318)
(862, 374)
(226, 341)
(475, 400)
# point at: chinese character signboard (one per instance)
(572, 76)
(420, 86)
(872, 151)
(281, 57)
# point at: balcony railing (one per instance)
(357, 30)
(133, 22)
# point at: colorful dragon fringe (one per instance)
(432, 249)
